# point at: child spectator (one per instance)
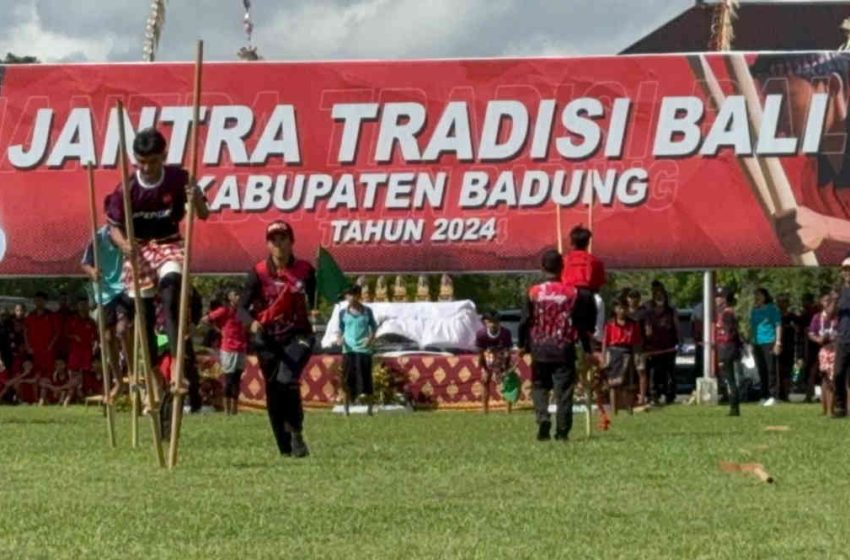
(234, 344)
(823, 332)
(82, 338)
(620, 344)
(494, 355)
(358, 328)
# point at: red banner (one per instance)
(456, 165)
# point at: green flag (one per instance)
(330, 281)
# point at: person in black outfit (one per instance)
(275, 307)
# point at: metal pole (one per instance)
(707, 323)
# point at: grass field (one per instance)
(428, 485)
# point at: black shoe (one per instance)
(838, 413)
(562, 436)
(543, 430)
(735, 412)
(299, 447)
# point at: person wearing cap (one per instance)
(494, 355)
(842, 343)
(274, 306)
(728, 340)
(357, 327)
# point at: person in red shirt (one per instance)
(586, 274)
(548, 333)
(234, 344)
(275, 304)
(82, 336)
(41, 331)
(620, 344)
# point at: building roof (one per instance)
(760, 26)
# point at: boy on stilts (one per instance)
(159, 194)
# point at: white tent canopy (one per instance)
(442, 324)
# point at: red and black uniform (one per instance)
(728, 343)
(280, 299)
(620, 341)
(547, 332)
(82, 334)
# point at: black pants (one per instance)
(232, 383)
(729, 372)
(842, 368)
(584, 317)
(785, 371)
(660, 368)
(282, 364)
(561, 378)
(766, 365)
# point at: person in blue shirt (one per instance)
(765, 333)
(111, 298)
(357, 325)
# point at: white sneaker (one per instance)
(770, 402)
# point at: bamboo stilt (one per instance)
(105, 354)
(152, 405)
(180, 363)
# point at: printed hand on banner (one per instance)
(800, 230)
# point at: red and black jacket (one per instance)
(546, 327)
(279, 299)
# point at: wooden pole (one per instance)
(588, 414)
(559, 232)
(135, 398)
(180, 365)
(150, 382)
(105, 354)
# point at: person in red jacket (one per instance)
(234, 344)
(81, 334)
(41, 331)
(586, 274)
(275, 306)
(548, 334)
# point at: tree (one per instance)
(14, 59)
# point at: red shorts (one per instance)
(153, 256)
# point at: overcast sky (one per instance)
(113, 30)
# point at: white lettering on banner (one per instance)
(377, 231)
(730, 129)
(279, 138)
(400, 122)
(451, 135)
(28, 159)
(507, 133)
(628, 187)
(76, 141)
(578, 118)
(352, 115)
(490, 148)
(679, 118)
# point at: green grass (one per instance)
(427, 485)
